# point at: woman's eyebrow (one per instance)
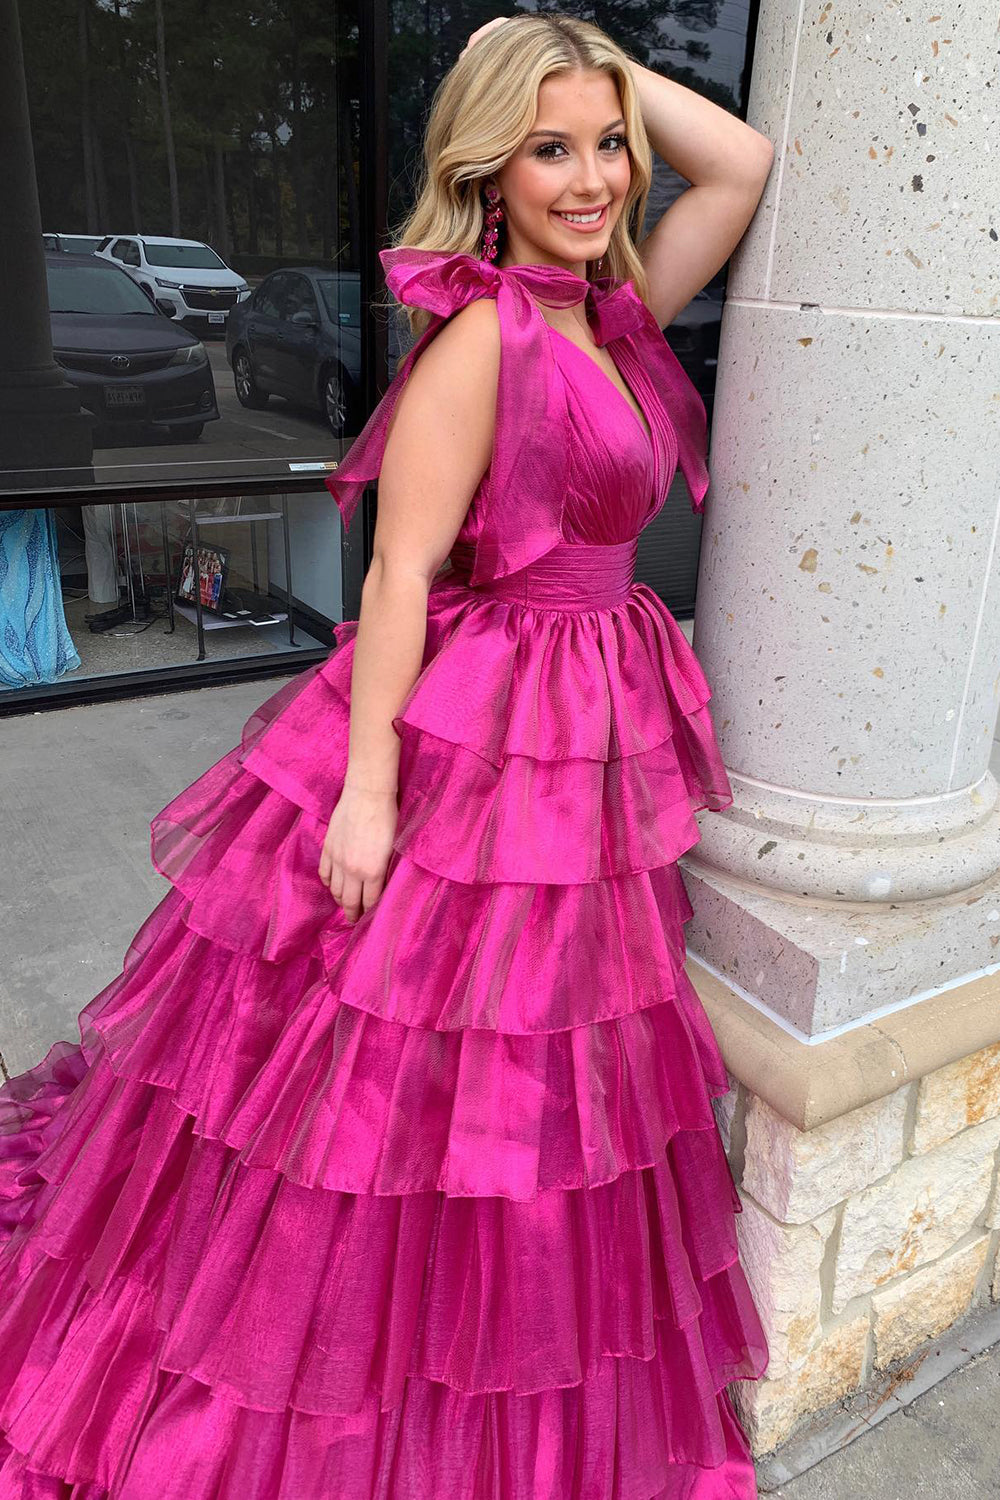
(565, 134)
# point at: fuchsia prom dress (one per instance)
(431, 1207)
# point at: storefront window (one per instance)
(187, 157)
(184, 354)
(95, 590)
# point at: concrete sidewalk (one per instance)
(78, 788)
(945, 1445)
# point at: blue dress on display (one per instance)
(35, 643)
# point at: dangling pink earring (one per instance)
(494, 216)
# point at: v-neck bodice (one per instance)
(618, 468)
(642, 420)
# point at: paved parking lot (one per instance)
(242, 442)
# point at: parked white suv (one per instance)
(186, 279)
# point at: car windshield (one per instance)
(342, 296)
(185, 257)
(79, 244)
(99, 289)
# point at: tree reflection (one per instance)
(236, 121)
(232, 121)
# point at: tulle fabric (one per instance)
(433, 1204)
(167, 1290)
(300, 1214)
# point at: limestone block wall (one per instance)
(865, 1236)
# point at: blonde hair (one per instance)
(481, 112)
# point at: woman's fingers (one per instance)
(356, 851)
(350, 898)
(353, 893)
(481, 31)
(371, 891)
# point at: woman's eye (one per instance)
(548, 149)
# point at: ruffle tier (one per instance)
(361, 1291)
(432, 951)
(504, 678)
(481, 816)
(631, 1432)
(539, 746)
(133, 1204)
(267, 1059)
(328, 1094)
(480, 945)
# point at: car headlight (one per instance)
(174, 286)
(192, 354)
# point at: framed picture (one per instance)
(213, 568)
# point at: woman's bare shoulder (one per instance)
(451, 392)
(462, 361)
(474, 330)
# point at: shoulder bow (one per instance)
(444, 283)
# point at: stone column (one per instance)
(42, 426)
(848, 612)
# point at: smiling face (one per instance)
(565, 185)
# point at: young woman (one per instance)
(387, 1169)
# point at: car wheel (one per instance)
(186, 434)
(336, 400)
(248, 393)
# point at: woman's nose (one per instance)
(589, 181)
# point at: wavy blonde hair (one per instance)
(481, 112)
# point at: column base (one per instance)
(851, 849)
(870, 1230)
(819, 966)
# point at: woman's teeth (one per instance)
(590, 217)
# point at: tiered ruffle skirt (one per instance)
(433, 1207)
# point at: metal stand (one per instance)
(120, 511)
(197, 523)
(168, 572)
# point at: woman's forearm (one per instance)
(388, 654)
(701, 141)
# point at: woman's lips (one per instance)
(590, 228)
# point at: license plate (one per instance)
(124, 395)
(216, 317)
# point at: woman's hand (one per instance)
(481, 31)
(357, 848)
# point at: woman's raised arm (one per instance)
(727, 163)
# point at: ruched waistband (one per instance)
(572, 575)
